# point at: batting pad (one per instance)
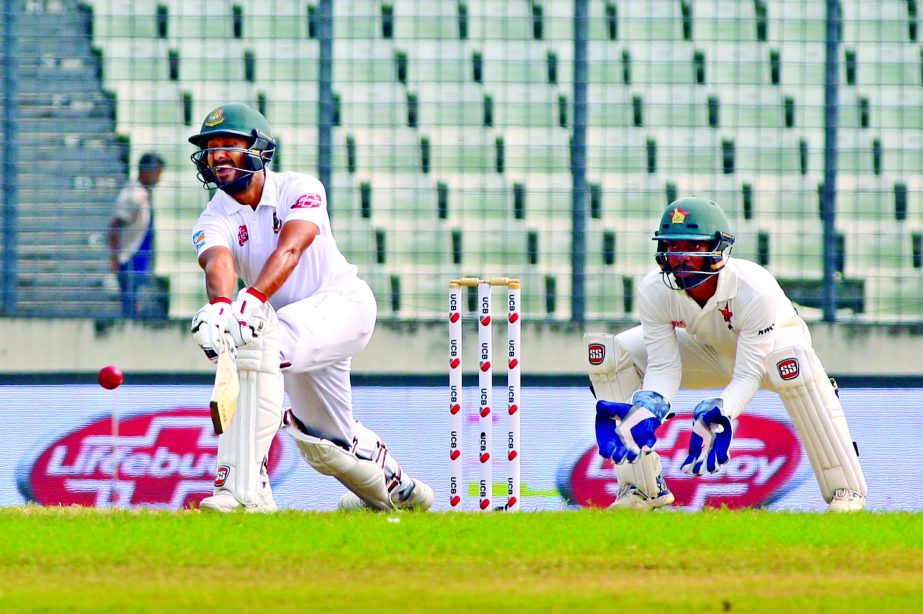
(363, 477)
(615, 378)
(798, 376)
(643, 473)
(244, 447)
(611, 369)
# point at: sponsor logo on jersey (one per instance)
(596, 353)
(198, 239)
(788, 368)
(242, 235)
(768, 329)
(215, 117)
(765, 455)
(164, 459)
(308, 201)
(678, 323)
(276, 223)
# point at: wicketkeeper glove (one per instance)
(624, 431)
(711, 438)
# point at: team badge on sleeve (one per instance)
(308, 201)
(198, 239)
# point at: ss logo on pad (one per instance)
(596, 352)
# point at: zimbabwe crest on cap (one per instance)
(679, 216)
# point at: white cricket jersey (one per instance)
(253, 235)
(740, 322)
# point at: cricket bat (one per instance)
(223, 402)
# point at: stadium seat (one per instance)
(117, 18)
(490, 21)
(796, 21)
(875, 22)
(449, 104)
(279, 61)
(363, 61)
(279, 21)
(425, 19)
(133, 60)
(355, 20)
(478, 198)
(462, 150)
(434, 62)
(650, 21)
(723, 20)
(616, 150)
(392, 149)
(373, 105)
(402, 198)
(796, 251)
(605, 295)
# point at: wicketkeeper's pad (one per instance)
(615, 378)
(797, 374)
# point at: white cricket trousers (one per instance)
(319, 336)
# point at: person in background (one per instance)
(131, 234)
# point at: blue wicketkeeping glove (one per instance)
(711, 438)
(625, 430)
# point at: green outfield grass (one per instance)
(78, 560)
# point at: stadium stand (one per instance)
(452, 136)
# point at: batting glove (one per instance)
(624, 431)
(210, 324)
(711, 438)
(248, 316)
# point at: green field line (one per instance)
(499, 490)
(593, 560)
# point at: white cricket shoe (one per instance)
(224, 502)
(846, 500)
(631, 498)
(419, 498)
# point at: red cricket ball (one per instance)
(110, 377)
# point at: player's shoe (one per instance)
(420, 498)
(846, 500)
(631, 498)
(225, 502)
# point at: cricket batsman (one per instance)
(712, 321)
(300, 318)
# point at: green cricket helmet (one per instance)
(693, 219)
(234, 119)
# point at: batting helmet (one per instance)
(694, 219)
(234, 119)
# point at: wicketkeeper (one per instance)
(298, 321)
(712, 321)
